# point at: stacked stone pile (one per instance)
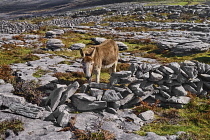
(169, 84)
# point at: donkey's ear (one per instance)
(93, 52)
(82, 53)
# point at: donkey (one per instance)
(100, 56)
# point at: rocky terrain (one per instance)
(105, 107)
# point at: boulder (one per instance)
(84, 102)
(54, 98)
(147, 115)
(50, 34)
(27, 110)
(6, 88)
(77, 46)
(7, 99)
(179, 91)
(54, 44)
(98, 93)
(155, 77)
(63, 119)
(121, 46)
(98, 40)
(111, 96)
(71, 89)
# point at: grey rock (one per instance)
(190, 71)
(2, 81)
(146, 116)
(83, 96)
(205, 77)
(116, 105)
(63, 119)
(153, 136)
(71, 89)
(77, 46)
(54, 98)
(206, 85)
(50, 34)
(175, 67)
(133, 68)
(98, 40)
(181, 78)
(190, 89)
(28, 110)
(87, 121)
(129, 136)
(179, 91)
(7, 99)
(6, 88)
(166, 70)
(111, 96)
(155, 77)
(58, 31)
(54, 44)
(121, 74)
(87, 103)
(113, 128)
(98, 93)
(179, 100)
(47, 80)
(164, 94)
(121, 46)
(56, 136)
(127, 113)
(145, 67)
(127, 99)
(111, 110)
(61, 109)
(99, 85)
(126, 80)
(84, 88)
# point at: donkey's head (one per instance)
(88, 62)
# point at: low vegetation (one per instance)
(14, 54)
(29, 90)
(14, 125)
(193, 119)
(88, 135)
(6, 73)
(69, 77)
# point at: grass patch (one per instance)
(193, 119)
(39, 73)
(69, 77)
(13, 54)
(14, 125)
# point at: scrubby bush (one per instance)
(29, 90)
(6, 73)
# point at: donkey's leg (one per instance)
(98, 73)
(113, 68)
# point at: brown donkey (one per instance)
(100, 56)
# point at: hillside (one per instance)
(17, 8)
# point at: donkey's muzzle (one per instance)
(88, 79)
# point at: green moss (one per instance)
(13, 55)
(39, 73)
(193, 119)
(14, 125)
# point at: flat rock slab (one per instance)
(27, 110)
(7, 99)
(182, 45)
